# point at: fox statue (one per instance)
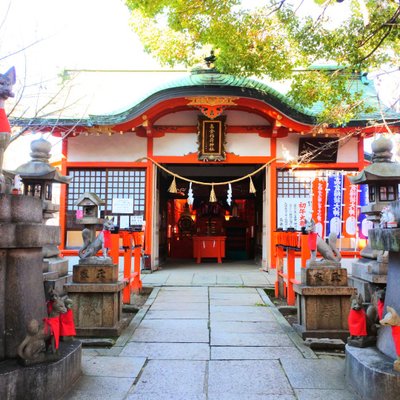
(392, 319)
(362, 323)
(102, 241)
(328, 250)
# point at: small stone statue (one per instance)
(362, 324)
(32, 348)
(329, 252)
(42, 340)
(392, 319)
(102, 241)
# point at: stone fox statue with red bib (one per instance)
(102, 241)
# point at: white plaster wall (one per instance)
(247, 144)
(288, 144)
(118, 148)
(179, 118)
(244, 118)
(348, 152)
(175, 144)
(232, 118)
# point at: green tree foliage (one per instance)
(278, 39)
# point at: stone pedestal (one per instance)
(55, 274)
(368, 275)
(43, 381)
(22, 298)
(22, 235)
(323, 303)
(97, 299)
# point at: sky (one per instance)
(55, 35)
(70, 34)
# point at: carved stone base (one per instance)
(362, 341)
(322, 276)
(40, 359)
(97, 308)
(50, 380)
(371, 375)
(323, 311)
(95, 273)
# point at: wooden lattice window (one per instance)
(297, 183)
(106, 183)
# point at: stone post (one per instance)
(22, 236)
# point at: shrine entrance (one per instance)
(211, 224)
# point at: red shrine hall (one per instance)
(210, 163)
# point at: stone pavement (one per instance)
(209, 342)
(229, 273)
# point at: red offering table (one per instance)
(208, 247)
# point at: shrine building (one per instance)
(217, 156)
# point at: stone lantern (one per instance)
(90, 204)
(382, 177)
(38, 176)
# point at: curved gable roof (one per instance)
(211, 82)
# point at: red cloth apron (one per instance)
(4, 124)
(54, 324)
(396, 338)
(381, 305)
(107, 239)
(67, 326)
(312, 241)
(357, 323)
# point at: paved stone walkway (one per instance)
(229, 273)
(198, 343)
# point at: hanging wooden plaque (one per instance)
(211, 139)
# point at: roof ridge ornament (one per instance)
(210, 60)
(212, 106)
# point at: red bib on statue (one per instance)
(4, 124)
(396, 338)
(357, 323)
(312, 241)
(107, 239)
(54, 324)
(67, 326)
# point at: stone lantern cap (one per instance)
(90, 203)
(89, 199)
(39, 168)
(382, 168)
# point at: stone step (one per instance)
(57, 284)
(48, 276)
(57, 264)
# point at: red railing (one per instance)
(286, 244)
(130, 240)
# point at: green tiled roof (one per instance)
(213, 83)
(203, 82)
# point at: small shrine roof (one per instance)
(89, 198)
